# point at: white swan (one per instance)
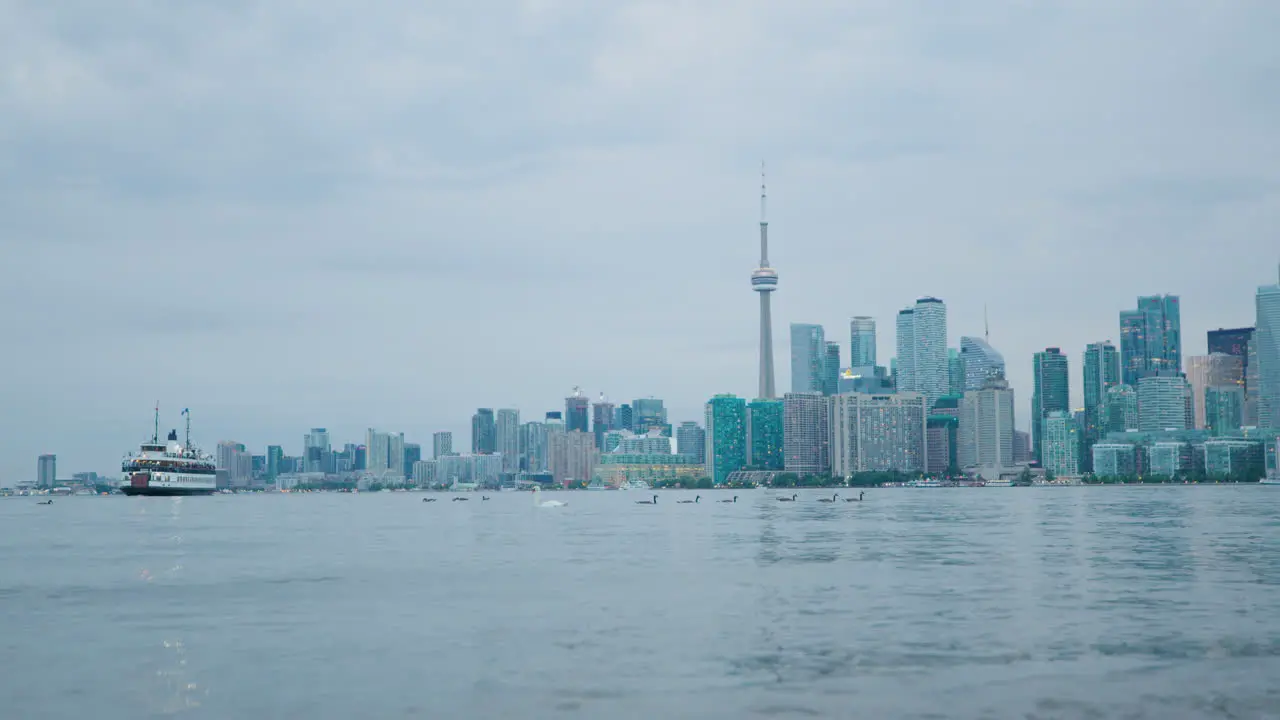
(545, 503)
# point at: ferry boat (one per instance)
(169, 467)
(1002, 482)
(925, 483)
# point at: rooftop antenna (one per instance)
(764, 223)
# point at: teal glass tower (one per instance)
(764, 434)
(1051, 395)
(726, 423)
(1101, 373)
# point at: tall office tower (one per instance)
(691, 441)
(1121, 413)
(441, 444)
(941, 436)
(764, 281)
(955, 372)
(985, 436)
(275, 454)
(1251, 383)
(726, 433)
(1021, 446)
(376, 444)
(805, 434)
(862, 342)
(878, 433)
(980, 362)
(1061, 444)
(1236, 342)
(831, 369)
(922, 349)
(1050, 394)
(507, 438)
(601, 420)
(765, 434)
(1267, 343)
(395, 453)
(647, 414)
(483, 434)
(360, 459)
(808, 355)
(46, 471)
(412, 454)
(317, 438)
(572, 456)
(1223, 409)
(1164, 402)
(1150, 338)
(575, 412)
(1214, 370)
(1101, 373)
(623, 418)
(533, 447)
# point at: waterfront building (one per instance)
(726, 434)
(765, 445)
(980, 361)
(879, 433)
(691, 440)
(617, 469)
(1061, 447)
(507, 438)
(1115, 459)
(922, 349)
(1235, 458)
(1267, 345)
(651, 443)
(808, 356)
(441, 444)
(480, 470)
(483, 432)
(47, 471)
(1101, 373)
(1050, 394)
(805, 435)
(985, 434)
(862, 341)
(1169, 458)
(1164, 402)
(424, 472)
(572, 456)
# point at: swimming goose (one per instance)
(735, 499)
(428, 499)
(695, 499)
(461, 499)
(654, 501)
(833, 498)
(857, 499)
(787, 499)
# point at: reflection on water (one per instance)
(1057, 602)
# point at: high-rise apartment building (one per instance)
(878, 433)
(484, 439)
(575, 412)
(647, 414)
(376, 459)
(922, 349)
(412, 454)
(1061, 444)
(980, 362)
(941, 436)
(1101, 373)
(726, 433)
(985, 435)
(601, 420)
(1151, 338)
(623, 418)
(1267, 342)
(805, 434)
(441, 444)
(1121, 412)
(1238, 342)
(765, 423)
(1214, 370)
(1223, 409)
(862, 342)
(507, 438)
(831, 369)
(1164, 402)
(533, 447)
(1050, 394)
(808, 356)
(275, 456)
(46, 471)
(572, 456)
(691, 440)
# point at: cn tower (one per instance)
(764, 280)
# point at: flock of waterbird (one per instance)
(538, 502)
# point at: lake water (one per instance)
(1149, 602)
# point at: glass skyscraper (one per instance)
(1051, 394)
(831, 369)
(483, 433)
(808, 356)
(980, 362)
(726, 432)
(862, 342)
(922, 349)
(1101, 373)
(1061, 444)
(1267, 342)
(1151, 337)
(764, 434)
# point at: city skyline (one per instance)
(394, 280)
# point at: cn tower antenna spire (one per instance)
(764, 280)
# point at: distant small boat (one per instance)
(1270, 480)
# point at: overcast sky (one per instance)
(287, 214)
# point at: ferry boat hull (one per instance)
(166, 491)
(167, 484)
